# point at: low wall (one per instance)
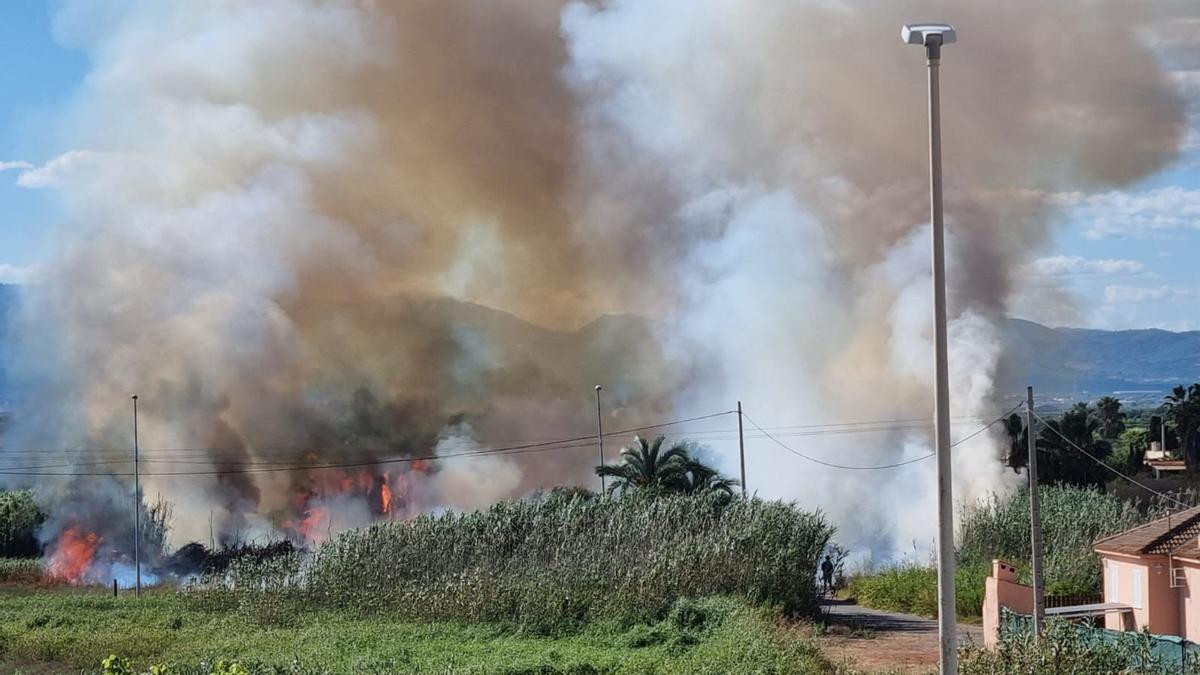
(1003, 591)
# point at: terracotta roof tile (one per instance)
(1157, 537)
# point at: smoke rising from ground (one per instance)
(271, 203)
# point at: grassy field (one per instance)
(71, 630)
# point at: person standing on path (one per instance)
(827, 575)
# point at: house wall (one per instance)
(1143, 583)
(1189, 600)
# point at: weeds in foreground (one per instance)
(1068, 649)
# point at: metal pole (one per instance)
(1035, 521)
(600, 438)
(742, 449)
(137, 506)
(1162, 432)
(947, 615)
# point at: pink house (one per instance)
(1154, 570)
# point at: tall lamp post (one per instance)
(137, 507)
(599, 438)
(933, 36)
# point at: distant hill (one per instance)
(1066, 364)
(1138, 366)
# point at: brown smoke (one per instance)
(277, 198)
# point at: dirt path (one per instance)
(875, 641)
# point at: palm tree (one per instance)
(1112, 420)
(646, 466)
(703, 478)
(1183, 410)
(1058, 459)
(1018, 448)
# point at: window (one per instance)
(1137, 588)
(1114, 582)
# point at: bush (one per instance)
(1065, 648)
(554, 563)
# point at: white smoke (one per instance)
(793, 134)
(258, 190)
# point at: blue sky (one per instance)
(1119, 260)
(39, 78)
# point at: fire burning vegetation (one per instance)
(73, 555)
(363, 262)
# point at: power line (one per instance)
(880, 466)
(203, 456)
(563, 444)
(1105, 465)
(119, 454)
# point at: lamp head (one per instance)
(597, 387)
(928, 33)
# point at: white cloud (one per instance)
(17, 274)
(1132, 214)
(1121, 294)
(57, 171)
(1071, 265)
(14, 165)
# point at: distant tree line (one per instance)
(1107, 433)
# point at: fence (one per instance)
(1073, 600)
(1163, 650)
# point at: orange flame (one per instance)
(72, 557)
(385, 495)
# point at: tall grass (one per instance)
(20, 518)
(1072, 519)
(912, 589)
(558, 560)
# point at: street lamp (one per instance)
(932, 36)
(137, 506)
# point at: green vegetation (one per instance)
(75, 629)
(998, 527)
(645, 466)
(912, 589)
(21, 571)
(549, 564)
(19, 519)
(1072, 519)
(1067, 648)
(1182, 407)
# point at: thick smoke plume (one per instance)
(300, 229)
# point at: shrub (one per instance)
(554, 563)
(1065, 648)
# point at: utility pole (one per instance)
(1035, 521)
(137, 507)
(933, 36)
(600, 438)
(742, 449)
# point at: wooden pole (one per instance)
(742, 449)
(1035, 521)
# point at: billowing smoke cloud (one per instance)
(794, 138)
(290, 218)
